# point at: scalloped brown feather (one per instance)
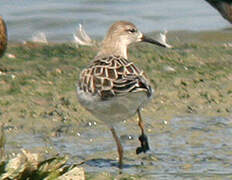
(113, 76)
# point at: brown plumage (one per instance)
(111, 87)
(3, 37)
(113, 76)
(224, 7)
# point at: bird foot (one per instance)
(144, 144)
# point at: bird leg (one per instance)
(142, 138)
(119, 146)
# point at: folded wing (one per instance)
(113, 76)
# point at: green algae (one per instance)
(50, 72)
(28, 165)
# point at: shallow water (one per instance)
(59, 19)
(185, 148)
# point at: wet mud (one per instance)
(188, 122)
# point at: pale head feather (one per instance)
(118, 38)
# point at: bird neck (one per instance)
(117, 47)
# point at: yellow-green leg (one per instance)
(119, 146)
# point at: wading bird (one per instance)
(113, 88)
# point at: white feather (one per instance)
(84, 35)
(39, 37)
(162, 38)
(82, 38)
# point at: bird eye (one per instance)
(132, 30)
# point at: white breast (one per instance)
(113, 109)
